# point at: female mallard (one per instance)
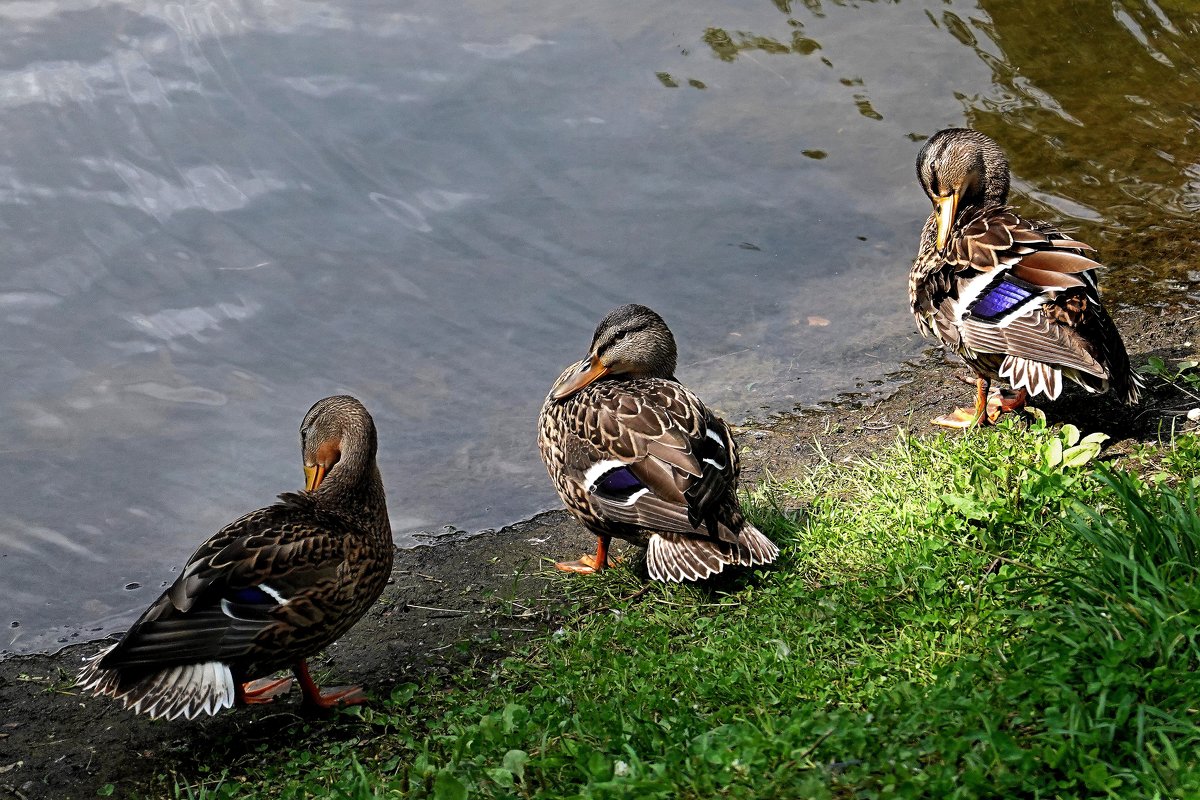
(267, 591)
(1016, 299)
(634, 454)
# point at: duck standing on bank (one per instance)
(267, 591)
(634, 454)
(1018, 300)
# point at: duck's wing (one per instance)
(1028, 293)
(663, 462)
(997, 237)
(262, 571)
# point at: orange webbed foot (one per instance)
(586, 565)
(961, 418)
(328, 699)
(336, 697)
(262, 691)
(999, 401)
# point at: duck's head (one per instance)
(337, 439)
(961, 168)
(631, 341)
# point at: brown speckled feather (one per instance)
(266, 591)
(323, 565)
(1016, 299)
(679, 452)
(1063, 330)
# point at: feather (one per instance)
(672, 558)
(680, 454)
(1061, 241)
(266, 591)
(1057, 261)
(1002, 297)
(1004, 332)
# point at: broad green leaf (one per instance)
(515, 761)
(969, 507)
(448, 787)
(1054, 453)
(514, 713)
(501, 776)
(1080, 454)
(1069, 434)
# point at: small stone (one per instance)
(1194, 415)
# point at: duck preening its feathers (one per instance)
(635, 454)
(268, 590)
(1018, 300)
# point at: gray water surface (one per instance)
(216, 213)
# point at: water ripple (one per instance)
(515, 46)
(26, 537)
(196, 395)
(172, 323)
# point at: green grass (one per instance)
(990, 615)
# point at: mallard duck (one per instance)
(1018, 300)
(634, 454)
(268, 590)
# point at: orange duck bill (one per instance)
(588, 372)
(947, 208)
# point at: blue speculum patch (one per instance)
(253, 596)
(619, 482)
(1000, 299)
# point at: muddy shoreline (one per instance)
(459, 603)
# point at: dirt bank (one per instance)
(460, 602)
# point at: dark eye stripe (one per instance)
(619, 335)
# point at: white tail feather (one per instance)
(678, 558)
(186, 690)
(762, 550)
(1033, 376)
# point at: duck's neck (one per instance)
(354, 489)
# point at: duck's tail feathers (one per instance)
(672, 557)
(1130, 390)
(755, 549)
(1039, 378)
(183, 690)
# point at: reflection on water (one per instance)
(215, 214)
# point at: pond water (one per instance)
(215, 213)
